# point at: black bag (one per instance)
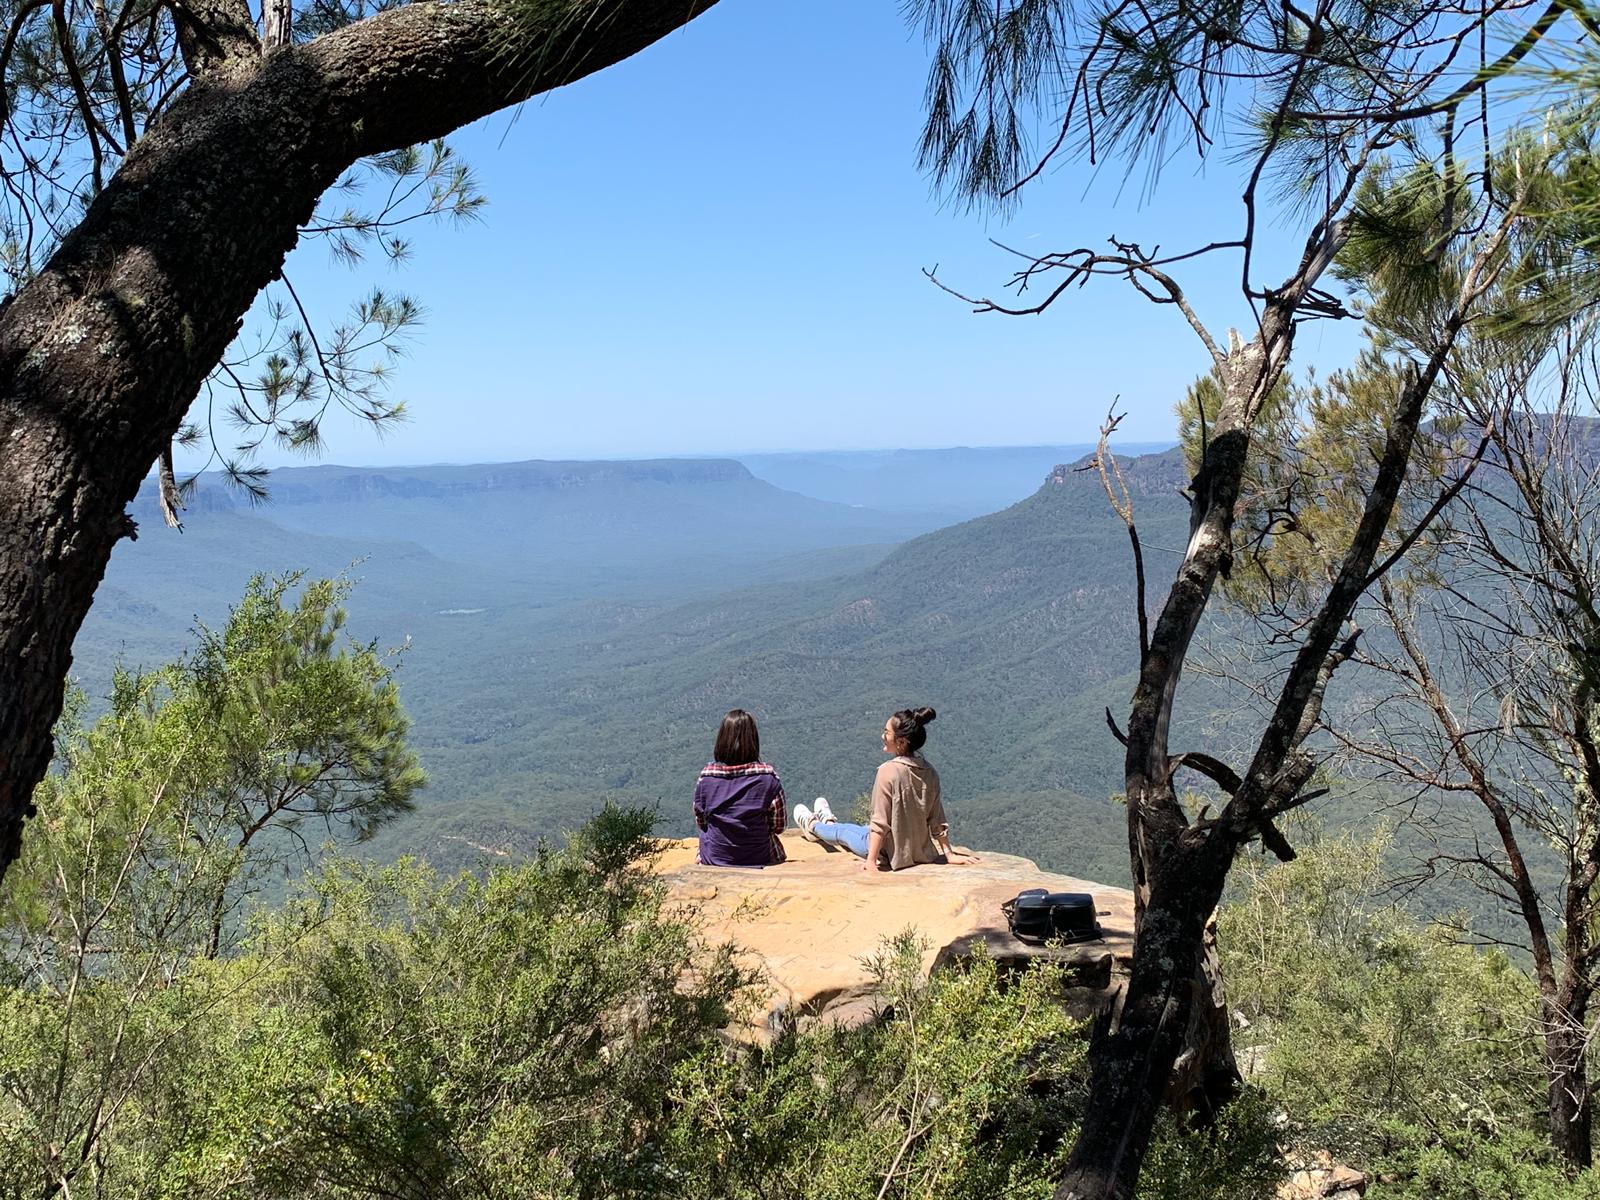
(1040, 916)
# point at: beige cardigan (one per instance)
(906, 810)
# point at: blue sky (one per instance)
(717, 247)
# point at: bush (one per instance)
(194, 784)
(1464, 1166)
(962, 1088)
(1388, 1042)
(506, 1036)
(1363, 1020)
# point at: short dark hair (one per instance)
(910, 726)
(738, 740)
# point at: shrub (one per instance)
(507, 1036)
(962, 1088)
(1424, 1165)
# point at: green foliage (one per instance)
(1401, 1051)
(272, 725)
(1462, 1166)
(965, 1089)
(390, 1031)
(551, 1029)
(1404, 223)
(155, 824)
(299, 727)
(1360, 1016)
(1237, 1156)
(1299, 92)
(202, 774)
(969, 1084)
(1009, 50)
(1314, 456)
(1421, 241)
(508, 1036)
(1415, 225)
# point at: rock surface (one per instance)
(810, 922)
(1319, 1177)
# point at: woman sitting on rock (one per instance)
(738, 803)
(908, 824)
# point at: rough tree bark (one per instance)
(1571, 1119)
(102, 352)
(1205, 1075)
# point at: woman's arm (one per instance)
(879, 825)
(941, 841)
(777, 818)
(777, 810)
(874, 850)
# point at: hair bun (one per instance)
(923, 715)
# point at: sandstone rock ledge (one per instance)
(808, 923)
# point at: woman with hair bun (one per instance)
(908, 823)
(739, 805)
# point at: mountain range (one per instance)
(574, 632)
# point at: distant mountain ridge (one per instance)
(563, 531)
(321, 484)
(957, 482)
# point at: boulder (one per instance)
(1318, 1176)
(809, 924)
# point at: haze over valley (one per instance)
(574, 630)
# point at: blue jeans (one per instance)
(839, 833)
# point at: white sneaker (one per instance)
(822, 811)
(804, 819)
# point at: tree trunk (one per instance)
(1186, 864)
(1565, 1013)
(1130, 1063)
(1205, 1075)
(102, 353)
(1570, 1118)
(1180, 878)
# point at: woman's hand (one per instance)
(959, 858)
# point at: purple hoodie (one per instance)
(740, 812)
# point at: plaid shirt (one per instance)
(740, 811)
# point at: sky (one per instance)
(718, 247)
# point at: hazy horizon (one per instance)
(301, 462)
(781, 304)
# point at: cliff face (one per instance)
(810, 923)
